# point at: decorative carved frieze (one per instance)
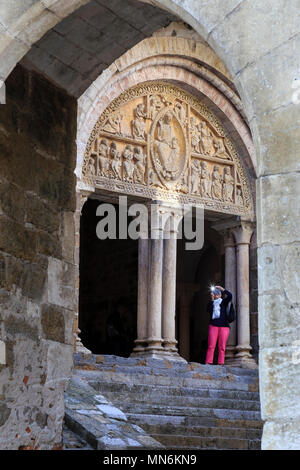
(157, 140)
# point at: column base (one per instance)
(154, 353)
(79, 348)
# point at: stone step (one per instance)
(159, 366)
(109, 361)
(187, 411)
(148, 390)
(72, 441)
(203, 431)
(199, 381)
(179, 401)
(195, 442)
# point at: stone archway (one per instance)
(264, 67)
(159, 143)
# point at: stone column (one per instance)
(243, 235)
(230, 284)
(174, 217)
(143, 280)
(154, 320)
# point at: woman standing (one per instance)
(218, 327)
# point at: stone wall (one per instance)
(37, 188)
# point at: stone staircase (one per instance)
(174, 405)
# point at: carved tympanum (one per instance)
(157, 140)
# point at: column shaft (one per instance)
(169, 292)
(230, 284)
(143, 279)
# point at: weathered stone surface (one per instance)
(4, 414)
(281, 435)
(277, 221)
(53, 324)
(279, 368)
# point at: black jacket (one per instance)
(222, 320)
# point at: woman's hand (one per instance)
(220, 288)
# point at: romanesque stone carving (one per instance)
(128, 163)
(139, 123)
(140, 165)
(116, 163)
(103, 162)
(156, 140)
(228, 185)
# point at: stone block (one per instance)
(67, 231)
(16, 240)
(264, 28)
(280, 383)
(34, 280)
(282, 435)
(277, 220)
(42, 215)
(53, 324)
(61, 284)
(278, 321)
(15, 327)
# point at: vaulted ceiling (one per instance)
(75, 52)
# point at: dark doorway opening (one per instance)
(196, 271)
(107, 288)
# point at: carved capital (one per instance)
(243, 233)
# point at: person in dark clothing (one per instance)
(218, 329)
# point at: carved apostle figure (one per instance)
(139, 123)
(115, 161)
(239, 197)
(228, 185)
(205, 182)
(195, 176)
(103, 161)
(205, 139)
(220, 150)
(140, 165)
(128, 163)
(216, 186)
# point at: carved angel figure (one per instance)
(139, 123)
(228, 185)
(103, 162)
(115, 161)
(220, 150)
(216, 186)
(156, 104)
(113, 124)
(179, 111)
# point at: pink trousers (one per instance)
(215, 333)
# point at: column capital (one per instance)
(243, 232)
(166, 216)
(229, 240)
(82, 197)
